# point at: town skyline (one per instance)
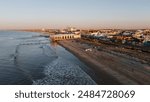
(85, 14)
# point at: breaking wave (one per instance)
(63, 72)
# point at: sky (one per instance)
(84, 14)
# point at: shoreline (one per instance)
(107, 66)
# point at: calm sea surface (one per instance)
(26, 58)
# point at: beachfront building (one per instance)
(58, 37)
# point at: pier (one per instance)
(58, 37)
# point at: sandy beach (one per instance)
(113, 68)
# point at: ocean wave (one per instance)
(63, 72)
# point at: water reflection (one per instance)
(27, 58)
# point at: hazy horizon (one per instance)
(83, 14)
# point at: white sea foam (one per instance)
(63, 72)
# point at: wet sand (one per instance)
(112, 68)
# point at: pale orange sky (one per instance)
(84, 14)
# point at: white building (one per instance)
(58, 37)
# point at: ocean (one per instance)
(26, 58)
